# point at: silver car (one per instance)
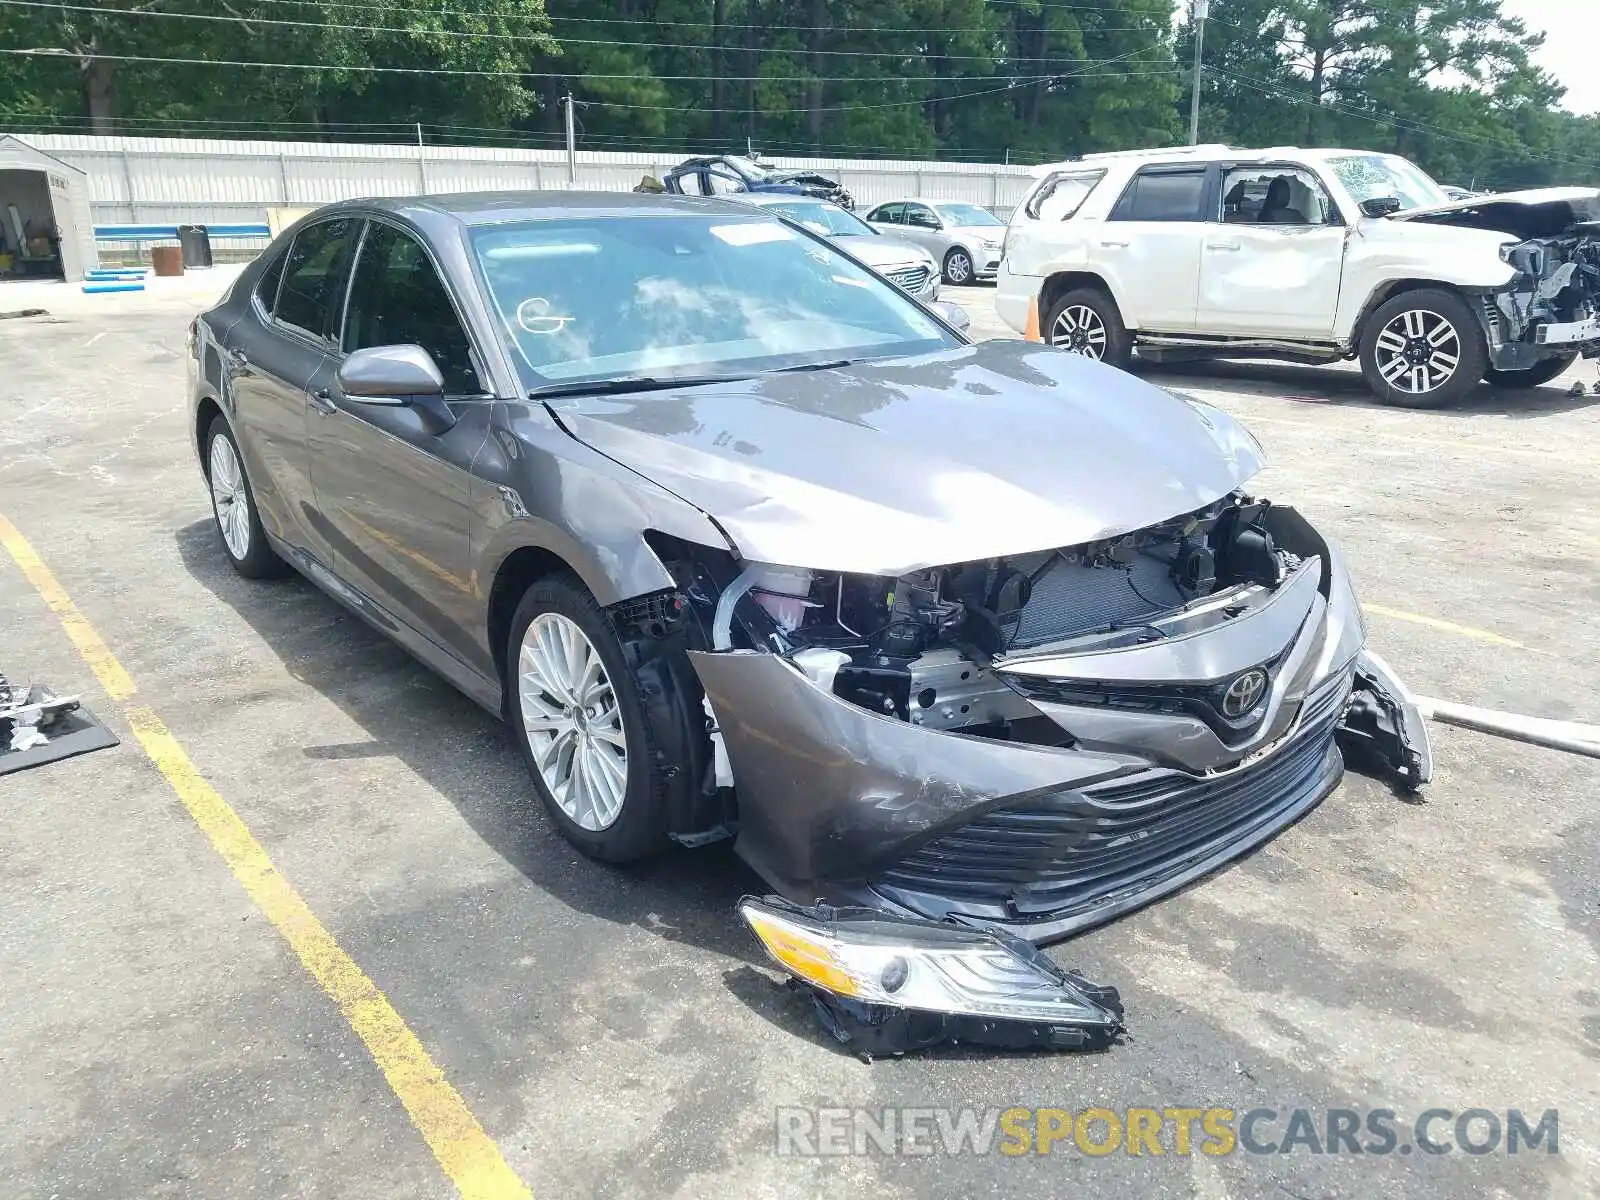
(903, 263)
(964, 238)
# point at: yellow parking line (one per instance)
(468, 1155)
(116, 682)
(1466, 631)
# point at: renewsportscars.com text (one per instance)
(1215, 1131)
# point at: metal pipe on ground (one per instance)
(1572, 736)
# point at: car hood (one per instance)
(998, 448)
(878, 251)
(1539, 212)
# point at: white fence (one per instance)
(202, 181)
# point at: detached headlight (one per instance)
(892, 984)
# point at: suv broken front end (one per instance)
(1042, 742)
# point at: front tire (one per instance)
(1423, 349)
(233, 505)
(1530, 377)
(958, 268)
(1086, 321)
(577, 716)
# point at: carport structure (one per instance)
(43, 197)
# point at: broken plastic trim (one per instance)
(1384, 717)
(883, 984)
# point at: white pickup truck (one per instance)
(1310, 256)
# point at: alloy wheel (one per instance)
(1079, 330)
(1417, 352)
(959, 268)
(572, 721)
(230, 498)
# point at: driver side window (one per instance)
(921, 216)
(1276, 196)
(398, 299)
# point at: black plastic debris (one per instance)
(38, 727)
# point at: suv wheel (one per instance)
(1423, 349)
(1534, 376)
(1086, 322)
(957, 267)
(233, 505)
(581, 726)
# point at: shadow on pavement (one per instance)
(466, 755)
(1346, 388)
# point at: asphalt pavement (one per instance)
(616, 1032)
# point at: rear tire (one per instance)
(1087, 321)
(609, 805)
(233, 505)
(1535, 376)
(1423, 349)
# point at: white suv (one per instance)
(1306, 255)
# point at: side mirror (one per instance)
(1381, 206)
(952, 313)
(395, 376)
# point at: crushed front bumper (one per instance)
(851, 807)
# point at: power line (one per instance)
(492, 74)
(1155, 23)
(543, 40)
(1270, 89)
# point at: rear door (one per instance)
(395, 496)
(1272, 260)
(1149, 247)
(278, 352)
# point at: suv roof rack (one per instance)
(1162, 151)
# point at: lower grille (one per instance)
(1059, 858)
(911, 279)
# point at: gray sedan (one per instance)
(967, 240)
(743, 542)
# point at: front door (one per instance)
(394, 496)
(1149, 247)
(1271, 266)
(278, 354)
(923, 226)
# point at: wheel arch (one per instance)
(1059, 283)
(205, 412)
(1389, 289)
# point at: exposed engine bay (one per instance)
(923, 647)
(1553, 305)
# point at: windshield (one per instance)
(1368, 176)
(750, 169)
(592, 298)
(967, 214)
(824, 218)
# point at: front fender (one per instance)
(536, 486)
(1381, 253)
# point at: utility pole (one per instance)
(1197, 17)
(572, 143)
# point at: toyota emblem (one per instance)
(1244, 693)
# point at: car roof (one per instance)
(494, 208)
(1215, 152)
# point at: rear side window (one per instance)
(313, 276)
(1163, 196)
(267, 288)
(1060, 196)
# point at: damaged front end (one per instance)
(1551, 308)
(1041, 742)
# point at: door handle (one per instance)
(321, 401)
(1229, 246)
(1114, 245)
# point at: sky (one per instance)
(1572, 33)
